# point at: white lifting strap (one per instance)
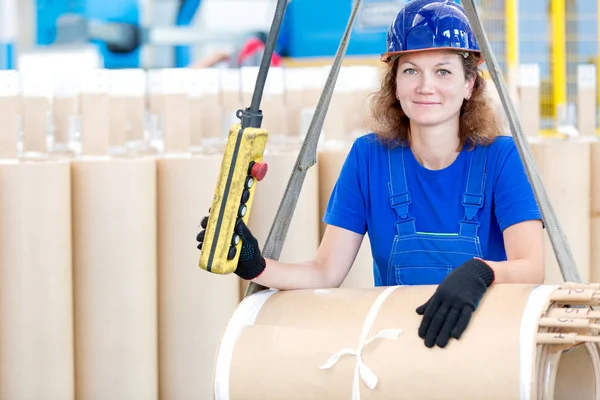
(560, 245)
(307, 157)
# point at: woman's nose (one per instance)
(425, 85)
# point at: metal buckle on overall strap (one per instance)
(405, 224)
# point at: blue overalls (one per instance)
(423, 258)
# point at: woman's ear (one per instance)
(469, 87)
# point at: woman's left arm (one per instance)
(462, 289)
(524, 244)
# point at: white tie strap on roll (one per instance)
(362, 370)
(246, 315)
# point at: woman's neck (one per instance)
(434, 147)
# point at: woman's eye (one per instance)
(444, 72)
(409, 71)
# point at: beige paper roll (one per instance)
(9, 126)
(155, 104)
(176, 127)
(154, 89)
(63, 109)
(231, 101)
(302, 240)
(194, 305)
(95, 127)
(196, 114)
(117, 121)
(360, 113)
(595, 210)
(115, 268)
(297, 334)
(212, 116)
(565, 169)
(275, 114)
(230, 96)
(36, 309)
(330, 163)
(135, 113)
(336, 125)
(303, 88)
(586, 112)
(529, 110)
(586, 99)
(34, 119)
(529, 98)
(295, 100)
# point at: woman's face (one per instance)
(431, 86)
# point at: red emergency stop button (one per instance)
(258, 170)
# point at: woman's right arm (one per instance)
(330, 266)
(338, 249)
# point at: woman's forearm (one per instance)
(288, 276)
(517, 271)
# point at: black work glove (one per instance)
(250, 263)
(448, 312)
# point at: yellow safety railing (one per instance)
(511, 9)
(559, 75)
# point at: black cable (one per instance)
(252, 117)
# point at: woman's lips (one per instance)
(425, 103)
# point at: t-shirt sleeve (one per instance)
(513, 195)
(346, 206)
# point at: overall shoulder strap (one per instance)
(473, 198)
(399, 194)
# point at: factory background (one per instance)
(557, 35)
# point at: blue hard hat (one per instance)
(430, 24)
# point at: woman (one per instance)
(444, 199)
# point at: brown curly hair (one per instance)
(478, 121)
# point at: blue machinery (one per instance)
(312, 28)
(8, 33)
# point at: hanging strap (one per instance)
(307, 157)
(558, 239)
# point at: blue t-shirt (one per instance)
(360, 199)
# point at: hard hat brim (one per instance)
(386, 57)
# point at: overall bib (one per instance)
(424, 258)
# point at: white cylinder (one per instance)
(36, 304)
(115, 263)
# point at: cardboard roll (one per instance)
(564, 167)
(36, 304)
(115, 277)
(194, 306)
(595, 211)
(364, 344)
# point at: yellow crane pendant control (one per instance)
(241, 168)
